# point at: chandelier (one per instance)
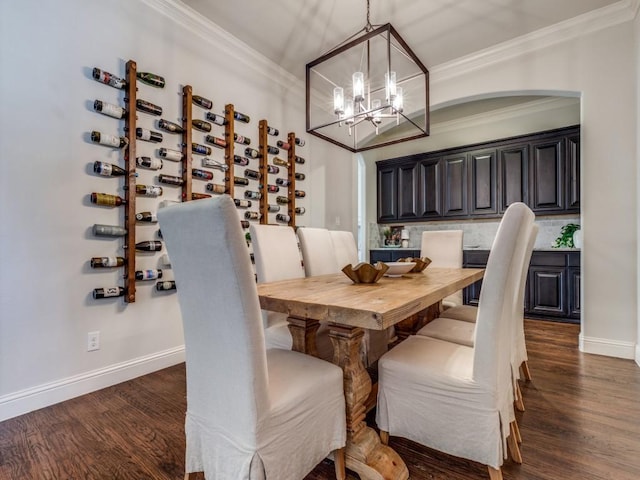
(369, 91)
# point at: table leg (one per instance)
(365, 454)
(303, 331)
(412, 324)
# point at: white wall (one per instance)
(48, 49)
(636, 44)
(598, 63)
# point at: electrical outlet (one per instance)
(93, 341)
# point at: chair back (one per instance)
(444, 248)
(344, 246)
(221, 319)
(276, 253)
(494, 330)
(317, 251)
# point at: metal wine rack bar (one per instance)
(187, 156)
(229, 148)
(291, 176)
(130, 185)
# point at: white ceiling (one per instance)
(294, 32)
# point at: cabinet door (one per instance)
(430, 188)
(455, 185)
(483, 183)
(574, 292)
(573, 172)
(474, 259)
(547, 176)
(379, 256)
(407, 191)
(387, 194)
(547, 291)
(513, 176)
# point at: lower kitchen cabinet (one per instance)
(391, 254)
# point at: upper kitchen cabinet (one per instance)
(481, 181)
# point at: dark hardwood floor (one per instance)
(582, 422)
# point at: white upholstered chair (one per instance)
(344, 246)
(455, 398)
(318, 253)
(457, 324)
(444, 248)
(252, 413)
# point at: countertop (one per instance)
(474, 247)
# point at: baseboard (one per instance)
(41, 396)
(638, 354)
(609, 348)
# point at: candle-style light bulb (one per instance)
(348, 112)
(398, 102)
(390, 86)
(376, 104)
(338, 100)
(358, 86)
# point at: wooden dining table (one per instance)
(350, 308)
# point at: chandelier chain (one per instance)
(368, 27)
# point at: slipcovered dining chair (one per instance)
(458, 324)
(444, 249)
(323, 252)
(455, 398)
(252, 413)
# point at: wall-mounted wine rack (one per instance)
(261, 207)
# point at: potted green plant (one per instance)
(565, 240)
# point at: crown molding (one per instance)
(585, 24)
(222, 40)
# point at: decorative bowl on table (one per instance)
(396, 269)
(365, 272)
(421, 263)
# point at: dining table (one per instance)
(349, 308)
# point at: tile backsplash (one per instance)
(477, 234)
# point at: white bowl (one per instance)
(396, 269)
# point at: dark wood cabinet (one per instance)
(474, 259)
(546, 291)
(481, 181)
(391, 254)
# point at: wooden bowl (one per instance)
(421, 263)
(365, 272)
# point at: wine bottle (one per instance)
(299, 160)
(252, 174)
(300, 210)
(272, 188)
(252, 215)
(217, 119)
(202, 102)
(273, 208)
(170, 127)
(151, 79)
(242, 203)
(282, 217)
(108, 169)
(107, 262)
(283, 145)
(107, 200)
(241, 140)
(108, 230)
(216, 188)
(280, 162)
(211, 163)
(241, 117)
(201, 125)
(108, 109)
(242, 161)
(282, 200)
(283, 182)
(300, 176)
(169, 154)
(252, 195)
(200, 149)
(108, 140)
(272, 150)
(108, 79)
(150, 163)
(272, 169)
(148, 190)
(300, 193)
(240, 181)
(244, 224)
(146, 217)
(203, 174)
(148, 135)
(300, 142)
(216, 141)
(159, 233)
(108, 292)
(170, 179)
(273, 131)
(166, 285)
(151, 274)
(251, 152)
(196, 196)
(149, 246)
(252, 257)
(148, 107)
